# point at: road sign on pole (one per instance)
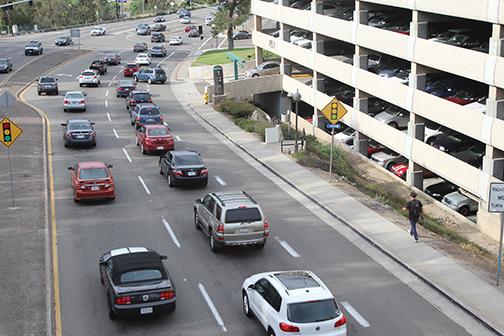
(10, 132)
(496, 204)
(7, 99)
(334, 111)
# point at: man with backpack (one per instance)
(414, 208)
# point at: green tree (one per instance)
(231, 14)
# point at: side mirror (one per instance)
(63, 124)
(84, 94)
(92, 124)
(163, 257)
(110, 166)
(71, 168)
(103, 262)
(198, 201)
(57, 79)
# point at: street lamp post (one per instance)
(296, 97)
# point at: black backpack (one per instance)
(414, 208)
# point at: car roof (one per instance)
(142, 55)
(77, 120)
(140, 92)
(145, 105)
(135, 260)
(131, 64)
(184, 152)
(123, 82)
(235, 198)
(152, 126)
(92, 164)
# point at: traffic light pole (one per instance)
(331, 154)
(11, 180)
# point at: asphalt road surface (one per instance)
(86, 230)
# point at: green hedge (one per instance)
(236, 109)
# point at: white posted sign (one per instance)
(496, 199)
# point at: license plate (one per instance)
(95, 188)
(146, 310)
(80, 136)
(149, 120)
(244, 230)
(191, 173)
(160, 147)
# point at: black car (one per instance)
(439, 190)
(453, 142)
(34, 48)
(5, 65)
(137, 97)
(112, 59)
(158, 37)
(79, 132)
(140, 47)
(47, 85)
(472, 155)
(376, 105)
(124, 87)
(63, 41)
(241, 35)
(158, 27)
(159, 19)
(183, 167)
(468, 40)
(136, 282)
(99, 66)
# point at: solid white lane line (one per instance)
(287, 247)
(170, 231)
(106, 93)
(108, 117)
(164, 59)
(126, 154)
(178, 138)
(115, 133)
(110, 84)
(221, 181)
(210, 304)
(355, 314)
(144, 185)
(106, 103)
(202, 44)
(220, 44)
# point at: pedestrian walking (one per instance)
(414, 208)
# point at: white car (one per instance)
(142, 59)
(292, 303)
(387, 158)
(97, 31)
(209, 19)
(185, 20)
(74, 100)
(347, 136)
(89, 77)
(175, 40)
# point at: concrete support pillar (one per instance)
(319, 42)
(414, 175)
(318, 5)
(361, 143)
(360, 103)
(360, 61)
(418, 76)
(285, 31)
(419, 26)
(258, 23)
(318, 83)
(259, 55)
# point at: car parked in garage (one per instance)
(154, 138)
(394, 116)
(387, 158)
(453, 142)
(136, 282)
(264, 69)
(460, 203)
(439, 190)
(92, 181)
(78, 132)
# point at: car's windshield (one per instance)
(140, 276)
(312, 311)
(188, 160)
(62, 38)
(74, 95)
(3, 61)
(149, 111)
(157, 47)
(32, 45)
(93, 173)
(47, 80)
(349, 131)
(160, 72)
(243, 215)
(457, 38)
(141, 96)
(157, 132)
(110, 56)
(79, 126)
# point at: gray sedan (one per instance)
(74, 100)
(79, 132)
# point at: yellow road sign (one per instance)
(10, 132)
(334, 111)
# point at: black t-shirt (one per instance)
(414, 208)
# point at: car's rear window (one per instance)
(312, 311)
(141, 275)
(187, 160)
(157, 131)
(160, 72)
(88, 73)
(110, 56)
(79, 126)
(47, 80)
(157, 47)
(243, 215)
(142, 96)
(149, 111)
(131, 65)
(74, 95)
(93, 173)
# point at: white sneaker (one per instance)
(410, 232)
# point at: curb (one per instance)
(382, 249)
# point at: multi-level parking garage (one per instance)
(435, 67)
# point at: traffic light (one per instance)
(334, 111)
(6, 132)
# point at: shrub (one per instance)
(236, 109)
(253, 126)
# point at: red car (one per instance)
(400, 170)
(187, 29)
(373, 147)
(463, 97)
(153, 138)
(92, 181)
(130, 69)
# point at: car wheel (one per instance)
(161, 169)
(389, 165)
(260, 246)
(112, 315)
(213, 244)
(204, 184)
(65, 110)
(80, 84)
(163, 82)
(56, 93)
(246, 305)
(142, 149)
(132, 122)
(65, 144)
(171, 183)
(255, 75)
(84, 109)
(39, 93)
(149, 81)
(135, 78)
(431, 140)
(197, 223)
(394, 124)
(464, 211)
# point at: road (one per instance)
(135, 218)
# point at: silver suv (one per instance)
(231, 219)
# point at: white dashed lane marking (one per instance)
(115, 133)
(178, 138)
(144, 185)
(170, 231)
(126, 154)
(287, 247)
(220, 180)
(355, 314)
(106, 103)
(210, 304)
(106, 93)
(108, 117)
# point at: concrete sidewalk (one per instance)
(473, 294)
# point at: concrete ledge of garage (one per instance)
(485, 264)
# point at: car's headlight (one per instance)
(442, 148)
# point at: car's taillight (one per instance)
(167, 295)
(204, 171)
(133, 101)
(94, 76)
(123, 300)
(161, 117)
(342, 321)
(178, 172)
(66, 102)
(82, 101)
(81, 76)
(149, 100)
(220, 228)
(287, 327)
(137, 119)
(266, 227)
